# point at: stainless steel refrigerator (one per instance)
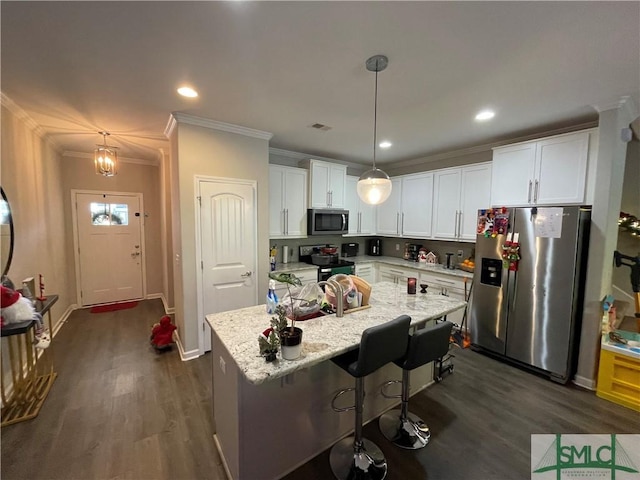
(530, 312)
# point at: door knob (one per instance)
(246, 274)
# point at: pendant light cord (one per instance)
(375, 118)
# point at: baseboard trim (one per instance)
(167, 309)
(585, 382)
(184, 355)
(63, 318)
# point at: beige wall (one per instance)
(209, 152)
(32, 179)
(78, 174)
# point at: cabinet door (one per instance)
(417, 205)
(475, 194)
(352, 203)
(295, 202)
(446, 204)
(388, 222)
(512, 175)
(366, 272)
(276, 198)
(337, 185)
(367, 218)
(561, 169)
(319, 184)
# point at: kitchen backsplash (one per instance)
(439, 247)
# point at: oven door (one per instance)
(324, 273)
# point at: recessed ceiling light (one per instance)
(385, 144)
(485, 115)
(187, 92)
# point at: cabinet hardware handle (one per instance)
(529, 194)
(402, 224)
(286, 223)
(460, 224)
(397, 223)
(535, 193)
(245, 274)
(359, 222)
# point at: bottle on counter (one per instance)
(272, 298)
(273, 251)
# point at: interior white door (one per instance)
(228, 242)
(110, 250)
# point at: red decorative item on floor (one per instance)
(113, 307)
(162, 334)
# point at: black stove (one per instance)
(328, 264)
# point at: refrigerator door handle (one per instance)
(529, 194)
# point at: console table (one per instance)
(30, 375)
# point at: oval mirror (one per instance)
(6, 233)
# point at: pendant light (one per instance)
(374, 186)
(106, 158)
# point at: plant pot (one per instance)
(270, 356)
(291, 342)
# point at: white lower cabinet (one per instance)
(306, 276)
(388, 273)
(366, 271)
(447, 285)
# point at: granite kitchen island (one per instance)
(272, 417)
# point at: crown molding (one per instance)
(307, 156)
(488, 146)
(30, 123)
(625, 103)
(137, 161)
(178, 117)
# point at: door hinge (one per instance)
(199, 200)
(201, 265)
(203, 326)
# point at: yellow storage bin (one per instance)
(619, 375)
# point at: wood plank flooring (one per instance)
(118, 410)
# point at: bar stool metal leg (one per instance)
(356, 457)
(403, 428)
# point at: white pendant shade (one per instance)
(374, 187)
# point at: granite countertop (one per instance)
(393, 261)
(239, 329)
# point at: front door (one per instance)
(109, 251)
(228, 224)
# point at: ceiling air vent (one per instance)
(320, 126)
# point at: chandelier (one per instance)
(106, 158)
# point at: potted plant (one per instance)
(269, 343)
(290, 337)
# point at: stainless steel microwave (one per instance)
(327, 221)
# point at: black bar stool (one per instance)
(399, 426)
(356, 457)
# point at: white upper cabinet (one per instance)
(550, 171)
(388, 217)
(458, 194)
(287, 202)
(417, 205)
(327, 184)
(361, 215)
(407, 212)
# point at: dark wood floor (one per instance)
(120, 411)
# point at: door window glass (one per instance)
(109, 213)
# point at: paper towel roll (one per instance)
(285, 254)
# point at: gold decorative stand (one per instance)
(27, 381)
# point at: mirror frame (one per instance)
(7, 262)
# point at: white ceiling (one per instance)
(80, 67)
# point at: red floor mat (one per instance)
(113, 307)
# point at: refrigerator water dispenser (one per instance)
(491, 272)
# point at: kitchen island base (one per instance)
(268, 430)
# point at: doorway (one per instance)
(227, 247)
(109, 246)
